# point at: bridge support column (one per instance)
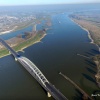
(15, 59)
(9, 52)
(48, 94)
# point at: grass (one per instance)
(4, 52)
(29, 42)
(26, 43)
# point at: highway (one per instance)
(36, 73)
(54, 92)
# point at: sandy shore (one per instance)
(22, 50)
(89, 34)
(5, 55)
(5, 32)
(33, 43)
(14, 29)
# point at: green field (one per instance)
(26, 43)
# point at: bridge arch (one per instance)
(36, 71)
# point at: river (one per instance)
(56, 53)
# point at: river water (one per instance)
(56, 53)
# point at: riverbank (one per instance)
(5, 32)
(16, 28)
(96, 58)
(32, 42)
(21, 46)
(89, 33)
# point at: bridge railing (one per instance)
(36, 71)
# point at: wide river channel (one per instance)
(56, 53)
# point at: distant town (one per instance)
(12, 22)
(18, 21)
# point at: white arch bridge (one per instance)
(36, 73)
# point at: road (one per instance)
(54, 92)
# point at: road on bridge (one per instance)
(36, 73)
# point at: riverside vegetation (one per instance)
(91, 22)
(28, 42)
(18, 43)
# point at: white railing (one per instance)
(36, 71)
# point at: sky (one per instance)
(38, 2)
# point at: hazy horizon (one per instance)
(44, 2)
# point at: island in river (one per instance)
(91, 23)
(25, 40)
(18, 43)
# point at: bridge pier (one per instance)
(36, 73)
(9, 52)
(48, 94)
(15, 59)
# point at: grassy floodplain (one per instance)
(90, 22)
(25, 44)
(32, 40)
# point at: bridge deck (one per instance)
(54, 92)
(36, 73)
